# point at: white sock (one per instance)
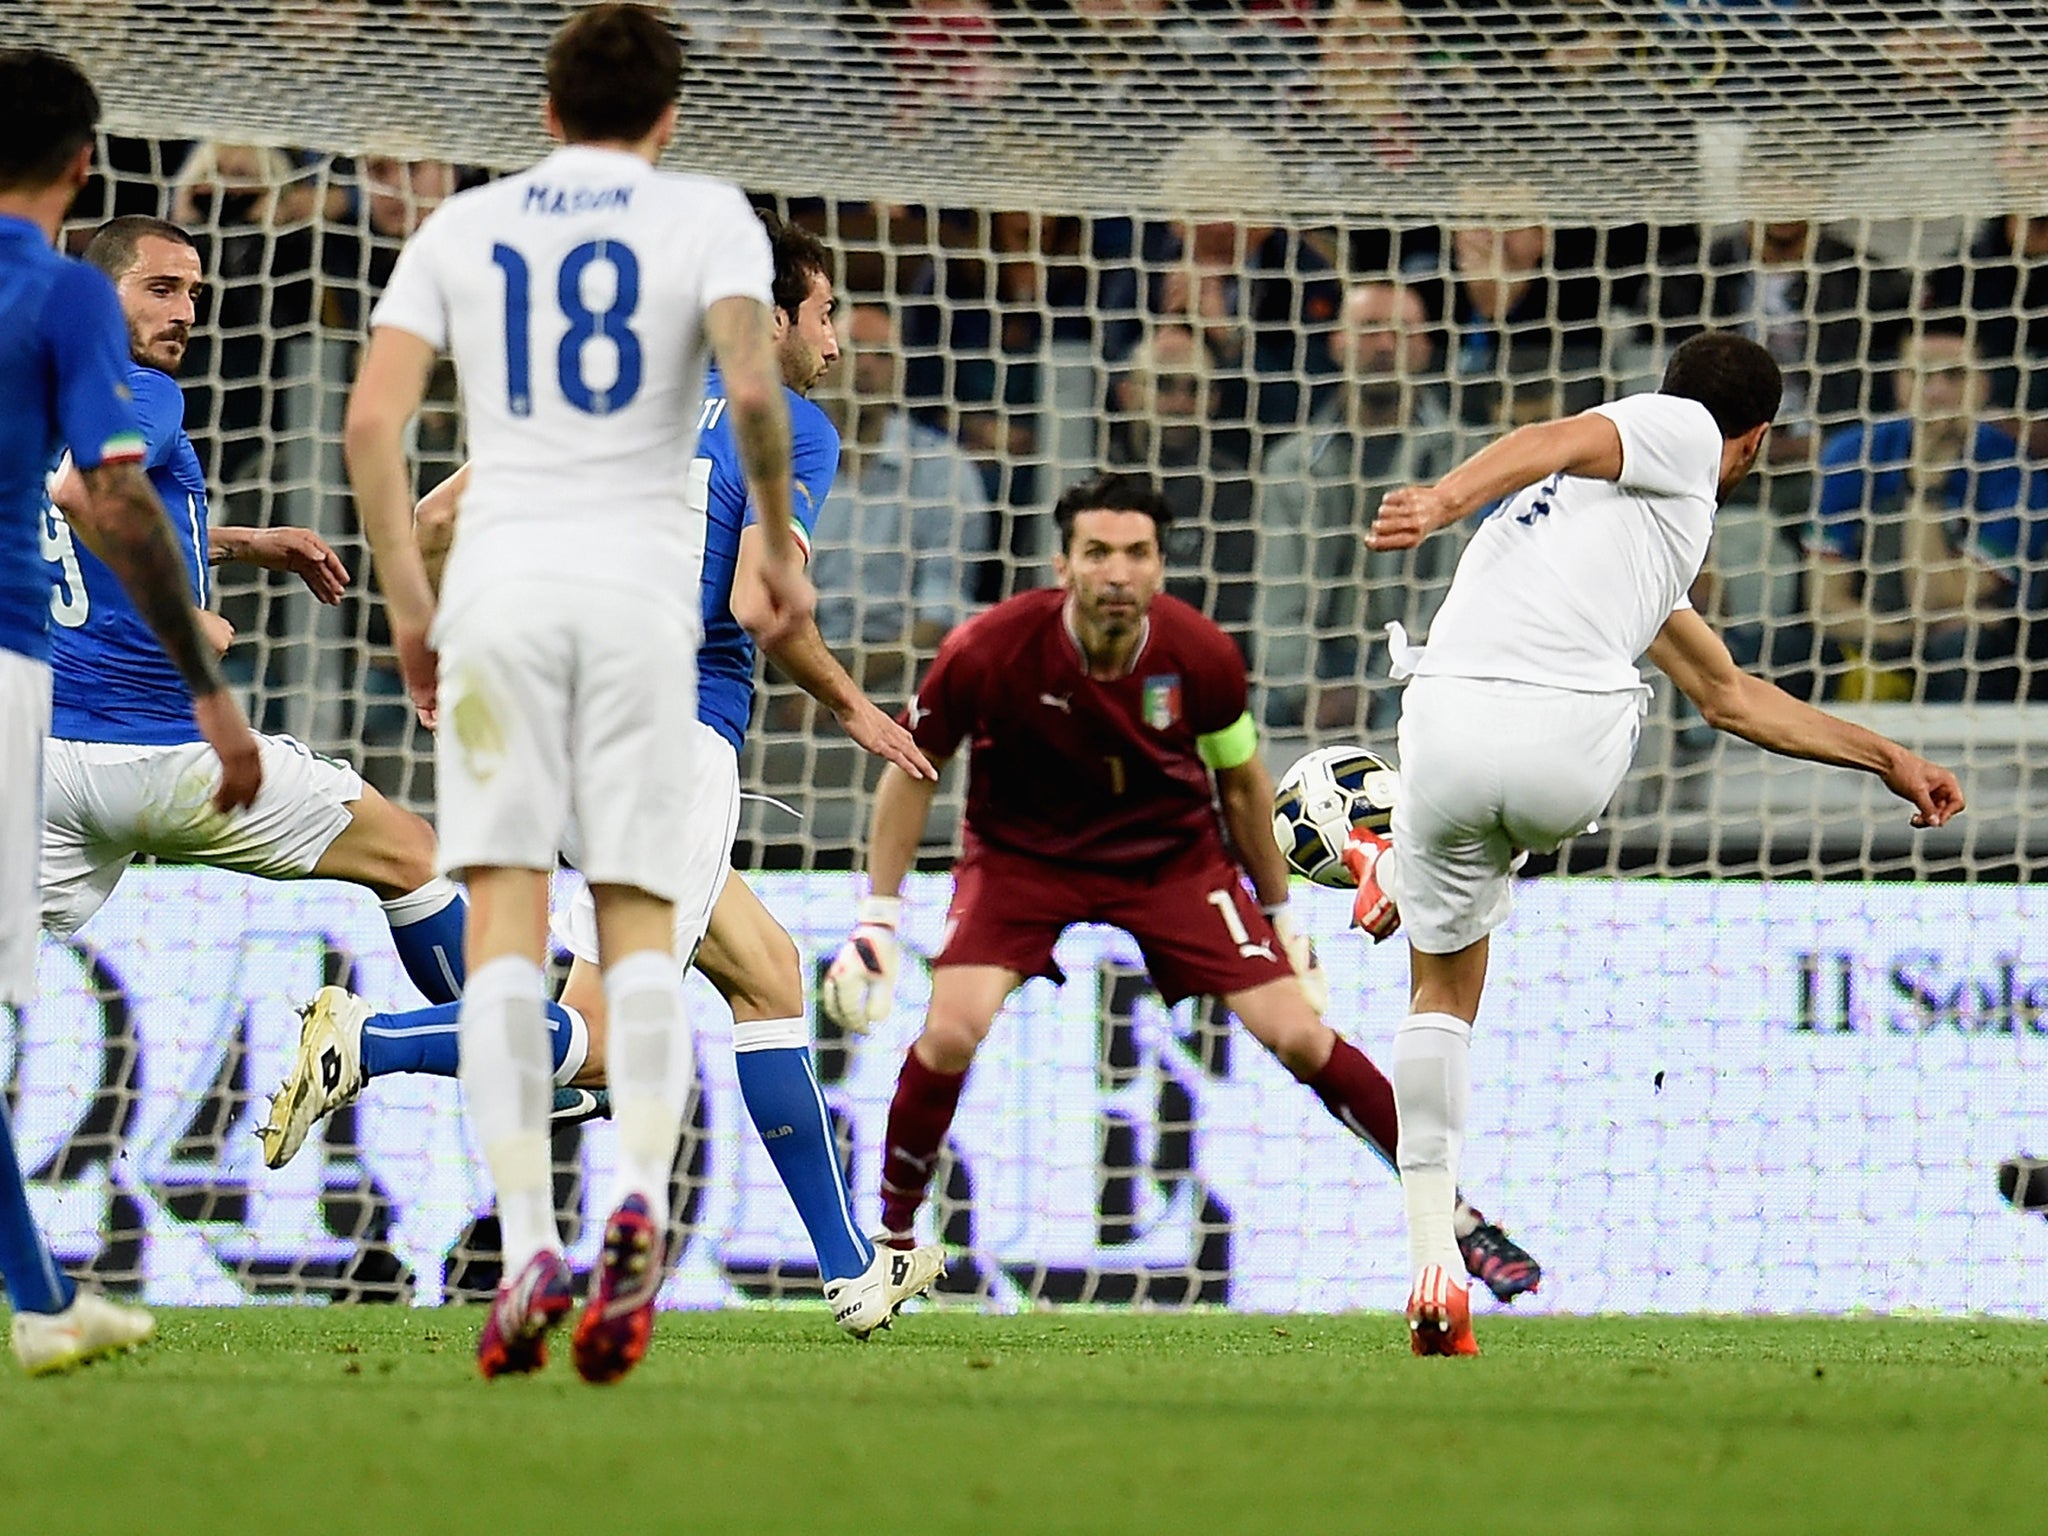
(506, 1092)
(417, 906)
(770, 1035)
(1432, 1092)
(650, 1064)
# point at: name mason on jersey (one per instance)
(541, 198)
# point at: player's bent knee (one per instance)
(753, 964)
(771, 981)
(384, 847)
(950, 1040)
(416, 856)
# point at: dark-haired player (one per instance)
(63, 385)
(123, 738)
(1522, 715)
(578, 299)
(1108, 723)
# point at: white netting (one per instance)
(1283, 256)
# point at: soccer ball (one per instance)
(1321, 798)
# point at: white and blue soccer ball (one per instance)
(1321, 798)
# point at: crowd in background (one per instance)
(1276, 378)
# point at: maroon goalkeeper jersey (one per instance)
(1101, 773)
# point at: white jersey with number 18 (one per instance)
(572, 298)
(1567, 582)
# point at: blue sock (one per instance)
(426, 926)
(424, 1040)
(788, 1110)
(34, 1282)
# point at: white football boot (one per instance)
(864, 1303)
(326, 1074)
(92, 1326)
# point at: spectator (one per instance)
(1360, 95)
(897, 538)
(1368, 119)
(243, 185)
(1109, 58)
(1160, 425)
(1828, 315)
(393, 197)
(984, 307)
(375, 207)
(1387, 426)
(1522, 321)
(947, 55)
(1831, 318)
(1925, 534)
(401, 193)
(2002, 285)
(1284, 17)
(251, 211)
(1921, 64)
(1257, 294)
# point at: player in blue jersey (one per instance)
(63, 366)
(745, 953)
(124, 743)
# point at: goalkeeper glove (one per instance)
(860, 985)
(1369, 857)
(1301, 954)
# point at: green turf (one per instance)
(275, 1421)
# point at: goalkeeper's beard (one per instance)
(1113, 618)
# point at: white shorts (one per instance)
(24, 722)
(1489, 769)
(576, 928)
(561, 707)
(103, 804)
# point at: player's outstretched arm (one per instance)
(742, 339)
(300, 551)
(389, 388)
(123, 523)
(1693, 657)
(810, 664)
(1587, 444)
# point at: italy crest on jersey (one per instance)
(1161, 700)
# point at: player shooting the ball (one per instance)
(1522, 716)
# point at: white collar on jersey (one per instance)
(1080, 655)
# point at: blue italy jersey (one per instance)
(63, 384)
(109, 678)
(725, 661)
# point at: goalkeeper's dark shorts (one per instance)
(1200, 931)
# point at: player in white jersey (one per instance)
(1522, 712)
(577, 299)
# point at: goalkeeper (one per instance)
(745, 953)
(1109, 722)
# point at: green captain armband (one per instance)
(1231, 747)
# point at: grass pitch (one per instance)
(278, 1421)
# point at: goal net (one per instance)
(1282, 257)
